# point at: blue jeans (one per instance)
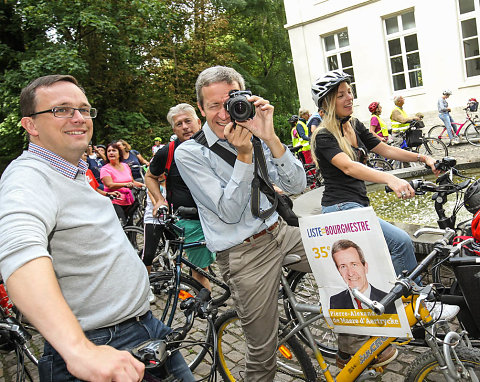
(448, 122)
(51, 366)
(399, 243)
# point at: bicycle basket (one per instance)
(472, 106)
(414, 138)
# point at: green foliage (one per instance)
(137, 58)
(282, 127)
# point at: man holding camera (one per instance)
(250, 250)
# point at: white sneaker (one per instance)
(457, 141)
(151, 297)
(440, 311)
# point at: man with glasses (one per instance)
(69, 269)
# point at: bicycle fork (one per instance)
(454, 369)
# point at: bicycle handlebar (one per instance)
(403, 285)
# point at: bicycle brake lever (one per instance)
(373, 305)
(426, 291)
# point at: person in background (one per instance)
(67, 264)
(314, 120)
(133, 159)
(94, 183)
(303, 137)
(101, 152)
(185, 124)
(377, 126)
(116, 176)
(157, 145)
(94, 164)
(399, 119)
(444, 115)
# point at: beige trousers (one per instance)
(252, 271)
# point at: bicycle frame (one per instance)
(371, 348)
(179, 259)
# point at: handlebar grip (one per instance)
(415, 183)
(396, 292)
(186, 211)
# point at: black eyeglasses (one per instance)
(68, 112)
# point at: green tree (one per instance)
(137, 58)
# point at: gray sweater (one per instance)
(45, 214)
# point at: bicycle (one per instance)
(314, 176)
(357, 368)
(374, 161)
(15, 336)
(413, 140)
(472, 128)
(154, 353)
(172, 286)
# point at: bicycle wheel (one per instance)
(472, 134)
(433, 147)
(306, 291)
(311, 175)
(135, 237)
(163, 284)
(379, 164)
(293, 363)
(425, 368)
(440, 132)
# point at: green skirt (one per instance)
(200, 256)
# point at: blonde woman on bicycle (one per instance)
(340, 145)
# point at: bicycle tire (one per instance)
(440, 132)
(433, 147)
(231, 365)
(311, 175)
(306, 290)
(472, 134)
(136, 237)
(425, 367)
(379, 164)
(163, 285)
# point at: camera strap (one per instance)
(260, 181)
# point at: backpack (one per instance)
(171, 149)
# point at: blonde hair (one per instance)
(332, 125)
(302, 111)
(125, 144)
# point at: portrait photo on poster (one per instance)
(347, 250)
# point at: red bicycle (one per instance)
(471, 124)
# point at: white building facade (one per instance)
(413, 48)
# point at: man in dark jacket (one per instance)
(353, 268)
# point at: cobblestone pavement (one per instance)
(394, 372)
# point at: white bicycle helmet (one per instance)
(447, 92)
(323, 85)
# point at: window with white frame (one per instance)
(401, 35)
(338, 54)
(468, 17)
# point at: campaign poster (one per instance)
(347, 250)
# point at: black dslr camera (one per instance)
(238, 107)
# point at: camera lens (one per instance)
(241, 110)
